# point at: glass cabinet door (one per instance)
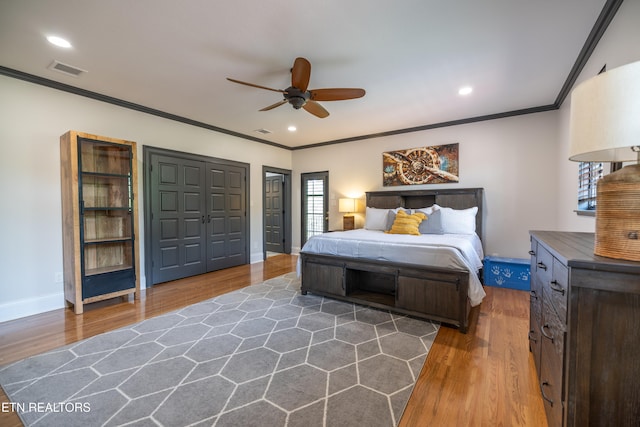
(106, 201)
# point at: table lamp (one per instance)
(347, 206)
(605, 127)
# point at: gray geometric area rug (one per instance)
(263, 356)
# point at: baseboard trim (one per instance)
(28, 307)
(256, 257)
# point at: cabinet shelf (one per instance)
(108, 208)
(105, 175)
(111, 240)
(375, 297)
(103, 270)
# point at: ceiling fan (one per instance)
(298, 95)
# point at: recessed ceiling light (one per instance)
(59, 41)
(466, 90)
(292, 128)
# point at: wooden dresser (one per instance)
(585, 331)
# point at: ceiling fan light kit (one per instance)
(300, 97)
(296, 97)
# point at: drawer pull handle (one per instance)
(557, 288)
(544, 396)
(532, 253)
(531, 338)
(633, 235)
(549, 337)
(541, 266)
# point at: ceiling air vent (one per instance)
(66, 69)
(263, 131)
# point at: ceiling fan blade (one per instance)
(300, 74)
(254, 85)
(277, 104)
(336, 94)
(316, 109)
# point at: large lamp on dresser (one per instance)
(605, 127)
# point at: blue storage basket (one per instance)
(512, 273)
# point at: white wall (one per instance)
(512, 159)
(619, 45)
(32, 118)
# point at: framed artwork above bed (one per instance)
(423, 165)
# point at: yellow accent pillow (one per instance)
(407, 224)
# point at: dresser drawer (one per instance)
(552, 332)
(535, 298)
(552, 328)
(536, 284)
(535, 293)
(535, 343)
(551, 386)
(558, 289)
(543, 265)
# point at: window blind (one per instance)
(314, 199)
(588, 175)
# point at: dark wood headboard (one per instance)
(456, 198)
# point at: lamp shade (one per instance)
(346, 205)
(605, 116)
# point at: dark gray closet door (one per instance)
(226, 216)
(197, 214)
(273, 208)
(178, 213)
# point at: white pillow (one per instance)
(458, 221)
(376, 219)
(427, 211)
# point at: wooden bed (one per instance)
(424, 291)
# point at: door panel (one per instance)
(274, 227)
(177, 212)
(226, 218)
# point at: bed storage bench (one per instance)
(424, 292)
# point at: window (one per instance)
(315, 206)
(588, 175)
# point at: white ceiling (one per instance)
(411, 56)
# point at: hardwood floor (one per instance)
(483, 378)
(486, 377)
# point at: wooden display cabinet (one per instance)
(99, 218)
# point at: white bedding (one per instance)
(452, 251)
